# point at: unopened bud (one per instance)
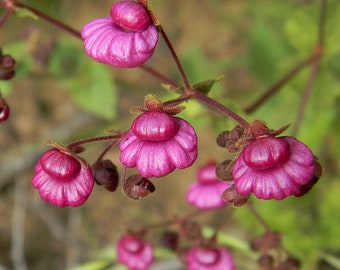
(235, 198)
(105, 173)
(223, 170)
(137, 187)
(7, 65)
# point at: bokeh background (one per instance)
(60, 94)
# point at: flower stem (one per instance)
(159, 76)
(175, 57)
(115, 138)
(221, 108)
(5, 15)
(259, 217)
(49, 19)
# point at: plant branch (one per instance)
(220, 107)
(5, 15)
(49, 19)
(259, 217)
(175, 57)
(274, 88)
(159, 76)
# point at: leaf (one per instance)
(205, 86)
(95, 90)
(25, 13)
(90, 83)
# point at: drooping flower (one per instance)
(63, 179)
(205, 193)
(158, 143)
(274, 167)
(134, 252)
(209, 258)
(126, 39)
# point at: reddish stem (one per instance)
(273, 89)
(5, 15)
(115, 137)
(49, 19)
(175, 57)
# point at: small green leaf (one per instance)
(205, 86)
(25, 13)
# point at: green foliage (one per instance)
(90, 83)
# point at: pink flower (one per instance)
(206, 192)
(127, 39)
(209, 258)
(274, 168)
(158, 143)
(135, 253)
(62, 179)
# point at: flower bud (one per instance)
(170, 240)
(105, 173)
(7, 66)
(137, 187)
(235, 198)
(223, 170)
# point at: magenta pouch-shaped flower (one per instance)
(273, 168)
(134, 252)
(158, 143)
(126, 39)
(205, 193)
(209, 258)
(62, 179)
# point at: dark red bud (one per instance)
(290, 264)
(236, 199)
(137, 187)
(170, 240)
(223, 170)
(7, 66)
(236, 133)
(105, 173)
(222, 139)
(266, 261)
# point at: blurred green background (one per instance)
(60, 94)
